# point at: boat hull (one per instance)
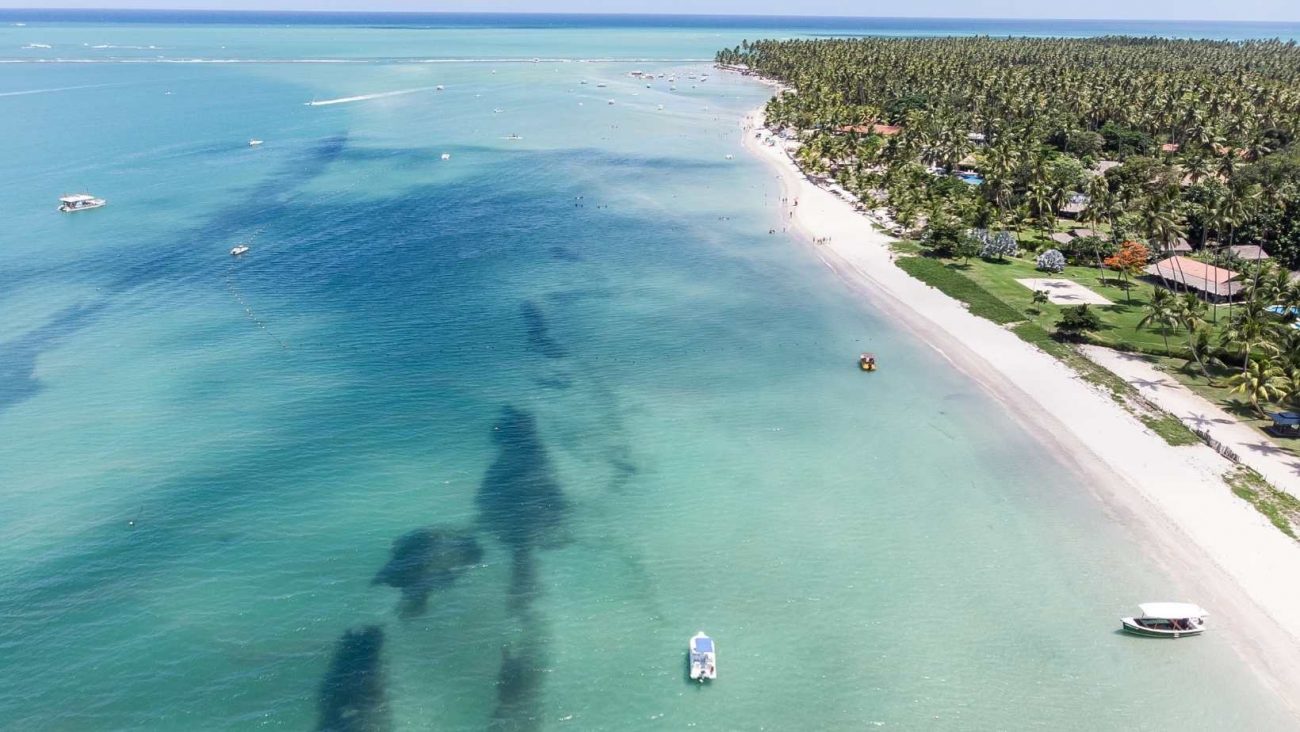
(83, 207)
(703, 658)
(1129, 626)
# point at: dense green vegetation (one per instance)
(1206, 131)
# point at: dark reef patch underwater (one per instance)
(426, 560)
(352, 695)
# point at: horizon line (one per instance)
(613, 14)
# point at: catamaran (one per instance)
(1166, 620)
(79, 202)
(704, 659)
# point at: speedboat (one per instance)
(254, 142)
(239, 249)
(1166, 620)
(704, 659)
(79, 202)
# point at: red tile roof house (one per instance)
(1182, 274)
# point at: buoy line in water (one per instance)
(248, 312)
(248, 309)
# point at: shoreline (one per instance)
(1227, 556)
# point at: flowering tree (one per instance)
(1051, 261)
(1129, 261)
(996, 244)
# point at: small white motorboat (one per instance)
(254, 142)
(1166, 620)
(80, 202)
(704, 659)
(611, 101)
(239, 249)
(439, 87)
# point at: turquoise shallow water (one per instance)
(594, 402)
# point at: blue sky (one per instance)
(1288, 10)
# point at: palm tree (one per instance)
(1252, 326)
(1260, 381)
(1161, 310)
(1161, 222)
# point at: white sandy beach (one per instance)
(1230, 558)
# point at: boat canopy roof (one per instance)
(1171, 610)
(77, 198)
(703, 644)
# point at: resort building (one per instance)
(1177, 246)
(1075, 207)
(1248, 252)
(1183, 274)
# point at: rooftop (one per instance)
(1196, 275)
(1249, 251)
(1171, 610)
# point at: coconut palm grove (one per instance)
(1129, 162)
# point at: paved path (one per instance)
(1065, 292)
(1280, 468)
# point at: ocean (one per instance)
(478, 442)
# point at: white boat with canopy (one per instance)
(1166, 620)
(704, 659)
(79, 202)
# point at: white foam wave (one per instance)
(365, 97)
(56, 89)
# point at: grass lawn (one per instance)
(991, 290)
(1216, 391)
(1119, 320)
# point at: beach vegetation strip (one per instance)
(1279, 507)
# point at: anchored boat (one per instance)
(704, 659)
(238, 249)
(867, 362)
(1166, 620)
(79, 202)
